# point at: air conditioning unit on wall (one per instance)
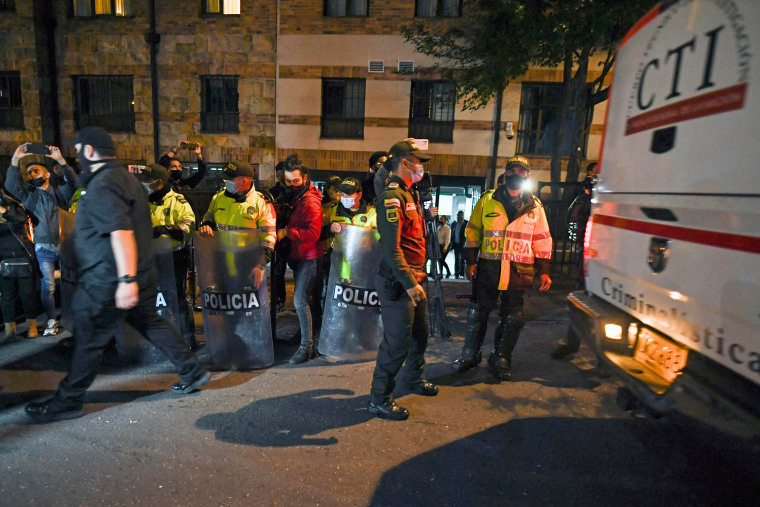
(406, 66)
(377, 66)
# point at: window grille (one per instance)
(219, 104)
(343, 108)
(431, 111)
(104, 101)
(11, 107)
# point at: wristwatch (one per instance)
(127, 279)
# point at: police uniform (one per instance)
(229, 213)
(512, 237)
(405, 326)
(171, 215)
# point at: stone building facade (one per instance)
(281, 55)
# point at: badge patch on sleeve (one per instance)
(393, 185)
(391, 214)
(411, 207)
(392, 202)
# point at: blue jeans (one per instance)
(47, 259)
(304, 272)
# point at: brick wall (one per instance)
(19, 54)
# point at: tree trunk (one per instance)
(556, 162)
(580, 91)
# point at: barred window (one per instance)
(345, 8)
(104, 101)
(343, 108)
(540, 105)
(11, 110)
(89, 8)
(431, 111)
(221, 6)
(438, 8)
(219, 104)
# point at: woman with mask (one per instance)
(14, 243)
(43, 200)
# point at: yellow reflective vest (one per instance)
(255, 212)
(523, 240)
(174, 210)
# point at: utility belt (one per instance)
(393, 288)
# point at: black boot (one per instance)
(302, 355)
(471, 355)
(500, 362)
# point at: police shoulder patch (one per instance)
(391, 214)
(251, 210)
(393, 185)
(392, 202)
(181, 198)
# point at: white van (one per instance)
(672, 249)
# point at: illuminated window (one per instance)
(221, 6)
(343, 108)
(219, 104)
(345, 8)
(438, 9)
(11, 110)
(431, 111)
(89, 8)
(540, 105)
(104, 101)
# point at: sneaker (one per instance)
(302, 355)
(53, 328)
(183, 387)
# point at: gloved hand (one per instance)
(173, 231)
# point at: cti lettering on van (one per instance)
(356, 296)
(223, 301)
(677, 323)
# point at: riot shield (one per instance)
(351, 325)
(68, 261)
(235, 315)
(130, 345)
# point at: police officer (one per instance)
(508, 227)
(172, 216)
(116, 278)
(402, 267)
(350, 210)
(239, 207)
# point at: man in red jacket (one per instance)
(306, 252)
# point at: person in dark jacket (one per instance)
(43, 200)
(306, 251)
(170, 161)
(282, 248)
(376, 161)
(14, 243)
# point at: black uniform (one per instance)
(114, 201)
(402, 245)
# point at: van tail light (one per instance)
(587, 253)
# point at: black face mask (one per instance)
(291, 192)
(515, 181)
(175, 175)
(157, 196)
(38, 182)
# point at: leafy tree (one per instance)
(496, 41)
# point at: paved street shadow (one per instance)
(290, 420)
(548, 461)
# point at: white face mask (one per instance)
(419, 171)
(347, 202)
(146, 186)
(229, 185)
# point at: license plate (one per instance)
(660, 355)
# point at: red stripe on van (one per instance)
(726, 240)
(707, 104)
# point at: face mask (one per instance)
(175, 175)
(86, 167)
(292, 191)
(419, 171)
(348, 202)
(146, 186)
(230, 187)
(38, 182)
(515, 181)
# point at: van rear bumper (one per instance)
(704, 391)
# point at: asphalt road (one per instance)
(302, 436)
